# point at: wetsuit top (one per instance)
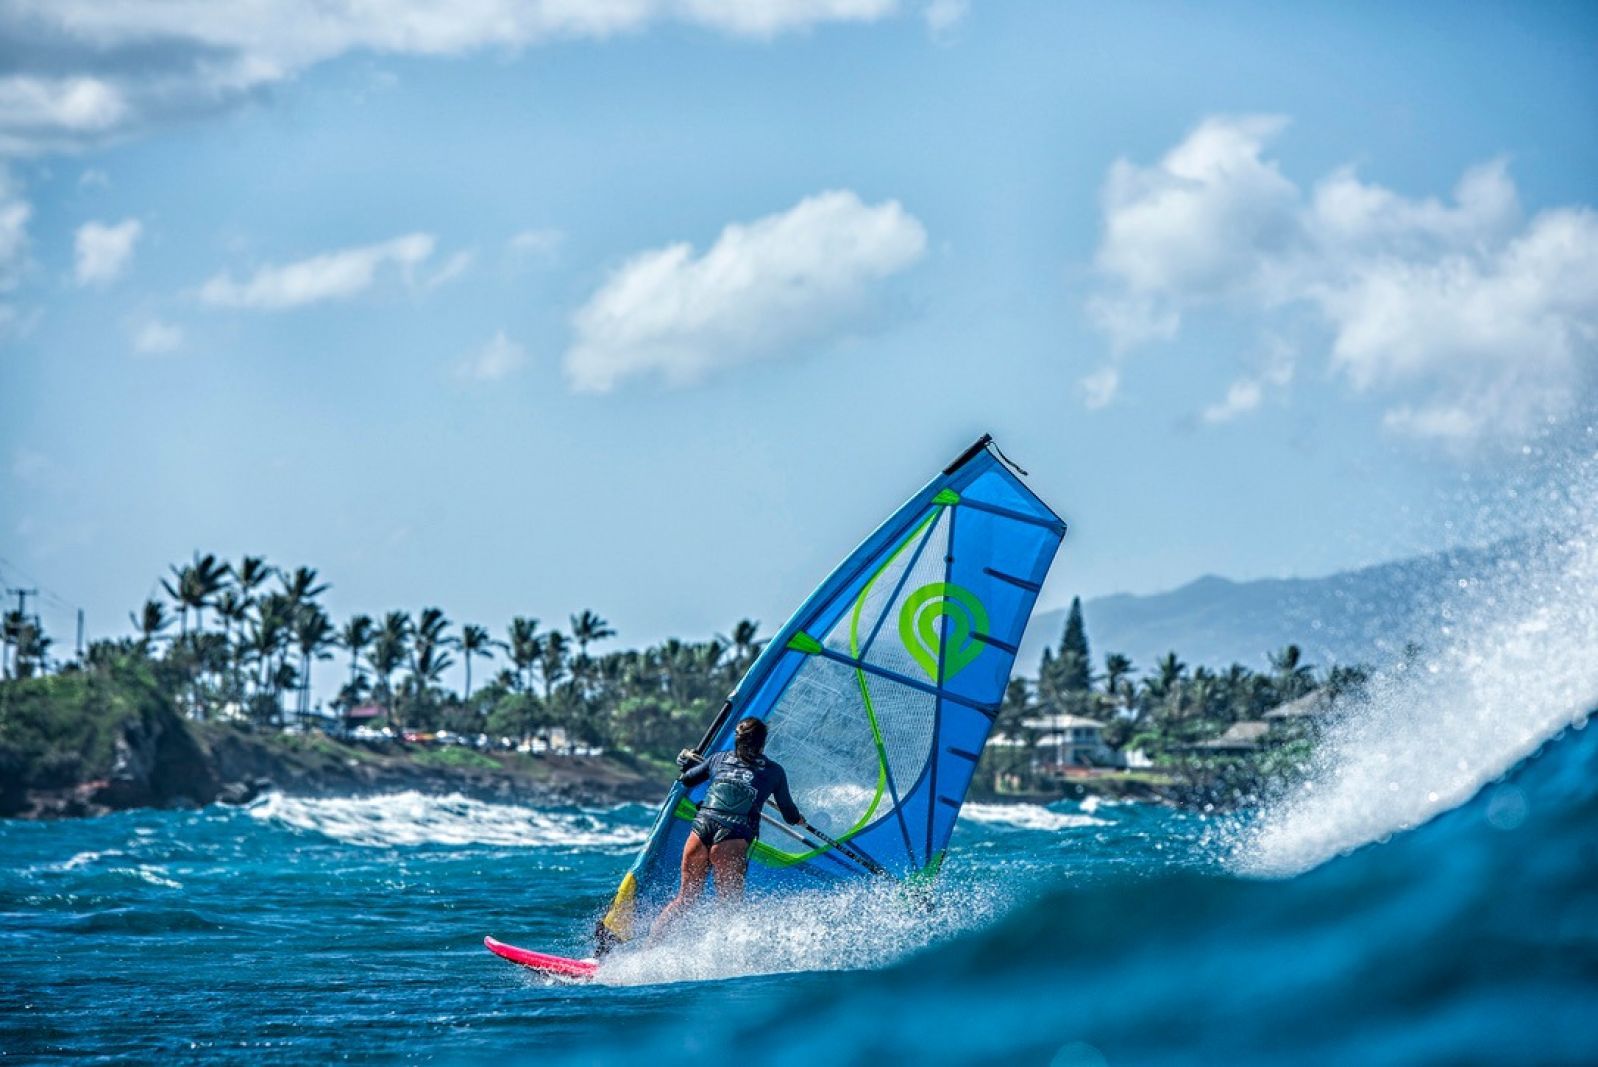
(739, 789)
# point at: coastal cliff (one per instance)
(89, 743)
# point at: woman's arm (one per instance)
(784, 799)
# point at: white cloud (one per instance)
(56, 111)
(154, 337)
(103, 252)
(1467, 319)
(1100, 387)
(1246, 394)
(334, 275)
(14, 215)
(1243, 396)
(943, 16)
(804, 276)
(85, 70)
(535, 244)
(450, 269)
(499, 358)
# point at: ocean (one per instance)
(302, 931)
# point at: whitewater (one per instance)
(1425, 896)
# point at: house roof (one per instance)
(1311, 704)
(1061, 722)
(1239, 735)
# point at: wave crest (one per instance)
(411, 818)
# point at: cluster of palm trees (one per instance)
(272, 628)
(1169, 705)
(268, 629)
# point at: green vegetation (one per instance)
(462, 758)
(61, 729)
(238, 644)
(249, 637)
(1204, 732)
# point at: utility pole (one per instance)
(22, 596)
(80, 635)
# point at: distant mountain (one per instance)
(1360, 616)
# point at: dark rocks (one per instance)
(157, 763)
(241, 793)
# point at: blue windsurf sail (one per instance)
(879, 692)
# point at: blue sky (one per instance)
(657, 308)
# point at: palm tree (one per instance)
(313, 636)
(1293, 678)
(301, 586)
(1163, 688)
(355, 637)
(588, 628)
(1116, 667)
(745, 646)
(251, 573)
(267, 642)
(390, 649)
(475, 641)
(233, 608)
(150, 621)
(552, 660)
(428, 659)
(526, 648)
(1170, 671)
(196, 584)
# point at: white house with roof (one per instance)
(1070, 740)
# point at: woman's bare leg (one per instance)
(729, 860)
(695, 863)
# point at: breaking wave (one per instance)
(1029, 817)
(411, 818)
(1510, 663)
(847, 927)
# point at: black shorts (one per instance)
(713, 831)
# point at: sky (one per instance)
(657, 307)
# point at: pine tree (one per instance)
(1076, 665)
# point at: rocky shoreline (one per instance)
(162, 761)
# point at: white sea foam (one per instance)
(1511, 662)
(154, 875)
(83, 859)
(1029, 817)
(412, 818)
(852, 926)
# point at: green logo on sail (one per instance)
(963, 618)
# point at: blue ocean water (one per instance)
(316, 930)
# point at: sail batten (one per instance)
(880, 691)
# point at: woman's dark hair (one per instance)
(749, 739)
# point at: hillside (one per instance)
(1357, 616)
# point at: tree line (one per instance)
(1171, 704)
(242, 641)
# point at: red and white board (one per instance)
(543, 962)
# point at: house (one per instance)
(1071, 740)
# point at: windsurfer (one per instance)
(728, 820)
